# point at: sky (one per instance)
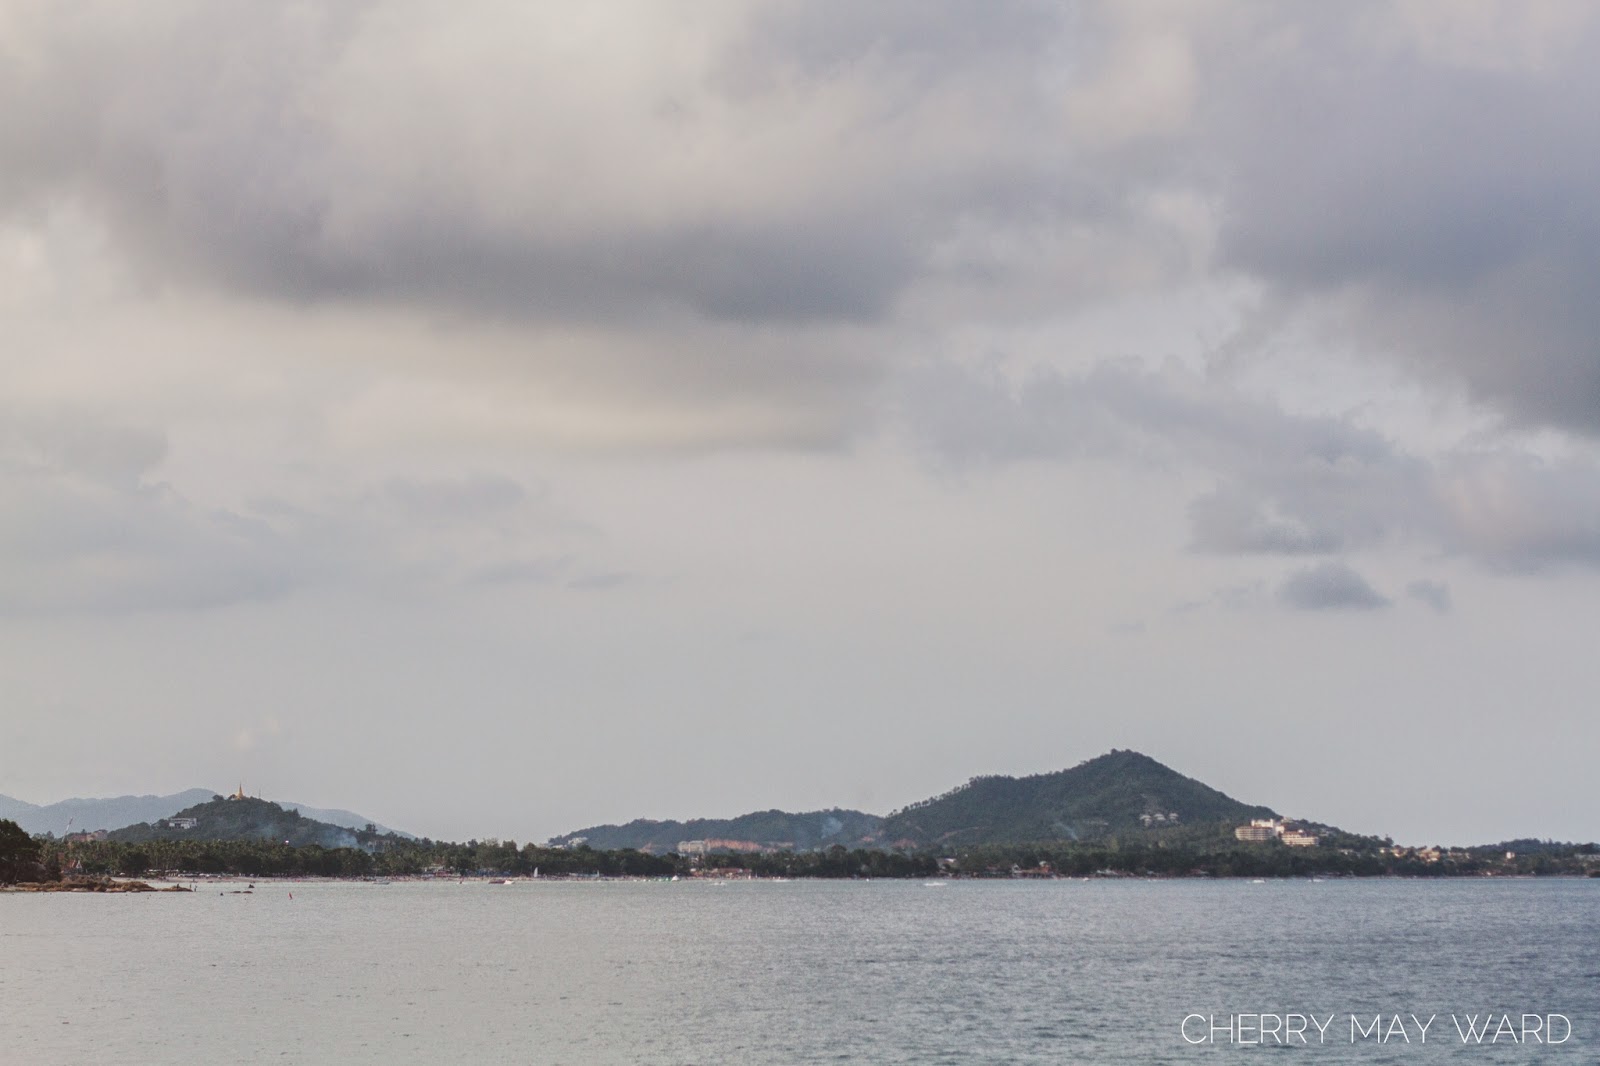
(505, 420)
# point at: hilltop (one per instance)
(244, 818)
(1121, 792)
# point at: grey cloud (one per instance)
(603, 582)
(1437, 207)
(76, 444)
(1329, 586)
(444, 498)
(87, 526)
(338, 155)
(1520, 512)
(1286, 484)
(1239, 597)
(821, 39)
(71, 546)
(1230, 521)
(1428, 194)
(1435, 594)
(523, 571)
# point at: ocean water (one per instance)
(798, 972)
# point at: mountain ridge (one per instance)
(770, 828)
(80, 814)
(244, 818)
(1119, 793)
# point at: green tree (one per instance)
(18, 852)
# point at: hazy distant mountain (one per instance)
(768, 829)
(119, 811)
(16, 810)
(76, 815)
(1120, 792)
(347, 819)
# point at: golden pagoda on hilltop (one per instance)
(239, 795)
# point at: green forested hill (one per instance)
(772, 829)
(242, 819)
(1118, 793)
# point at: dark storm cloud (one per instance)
(1329, 586)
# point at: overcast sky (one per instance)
(500, 421)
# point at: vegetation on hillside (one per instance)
(774, 828)
(1122, 792)
(246, 819)
(19, 853)
(1120, 814)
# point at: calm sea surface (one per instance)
(801, 972)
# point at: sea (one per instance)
(1063, 971)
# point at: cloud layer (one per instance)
(797, 377)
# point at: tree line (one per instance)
(26, 858)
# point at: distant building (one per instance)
(1260, 830)
(692, 847)
(178, 823)
(85, 837)
(239, 795)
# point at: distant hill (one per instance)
(78, 815)
(242, 819)
(1120, 792)
(767, 829)
(347, 819)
